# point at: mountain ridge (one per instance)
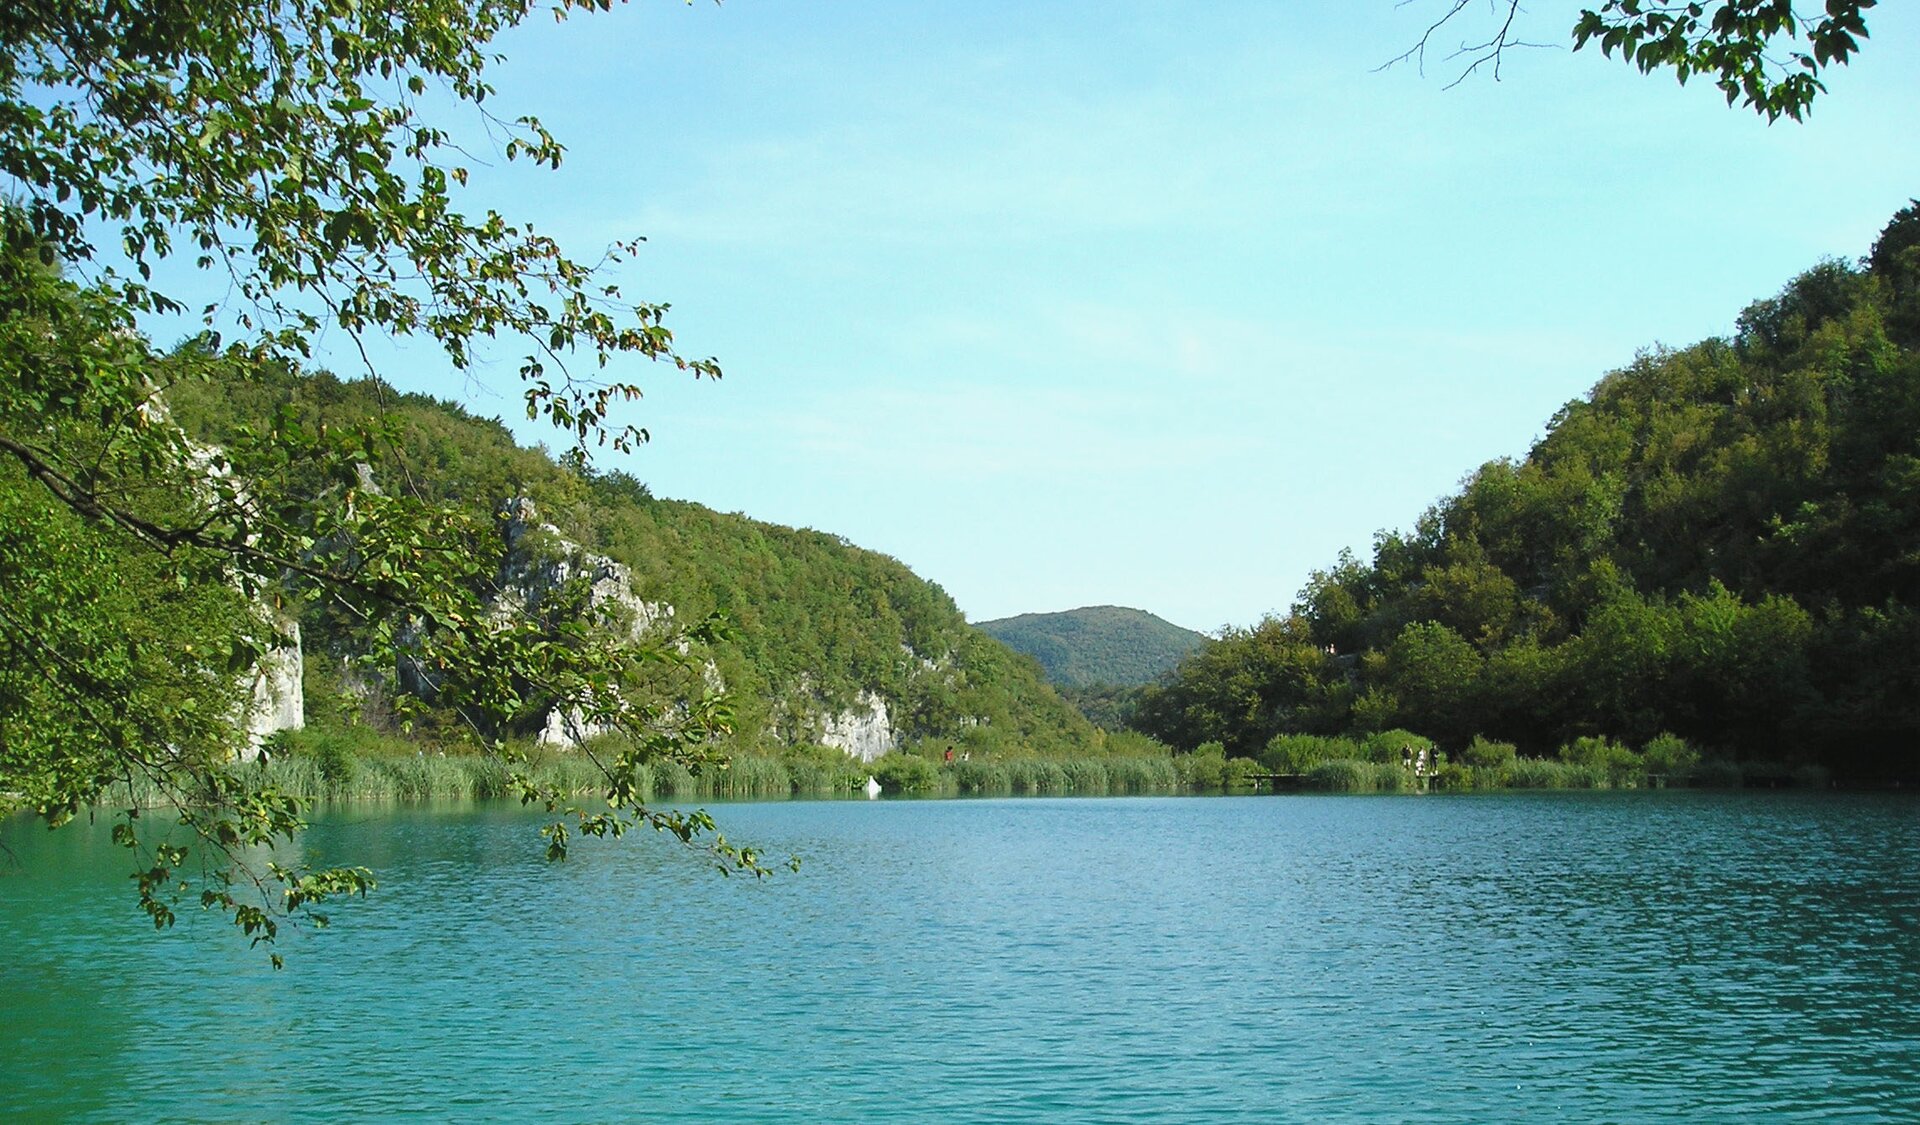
(1096, 645)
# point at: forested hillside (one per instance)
(1096, 644)
(1721, 541)
(811, 621)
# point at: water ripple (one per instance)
(1691, 957)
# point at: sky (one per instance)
(1147, 303)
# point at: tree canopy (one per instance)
(1720, 541)
(283, 149)
(1764, 54)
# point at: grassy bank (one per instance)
(1383, 763)
(360, 765)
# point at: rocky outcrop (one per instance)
(276, 700)
(275, 695)
(864, 730)
(540, 560)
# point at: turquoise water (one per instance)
(1621, 957)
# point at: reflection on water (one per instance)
(1605, 956)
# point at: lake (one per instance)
(1606, 956)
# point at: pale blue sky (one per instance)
(1153, 304)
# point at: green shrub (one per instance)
(337, 764)
(1133, 744)
(1386, 746)
(820, 775)
(1537, 773)
(671, 779)
(982, 778)
(1608, 761)
(1298, 753)
(1085, 775)
(1342, 775)
(1142, 775)
(1670, 756)
(1489, 754)
(1812, 777)
(905, 773)
(1239, 773)
(1036, 776)
(489, 778)
(1204, 769)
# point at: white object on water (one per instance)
(873, 787)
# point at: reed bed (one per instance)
(1353, 775)
(356, 765)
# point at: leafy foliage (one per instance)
(1719, 547)
(1736, 43)
(282, 144)
(279, 146)
(1730, 41)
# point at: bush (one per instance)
(1298, 753)
(905, 773)
(1671, 756)
(1085, 775)
(1205, 768)
(1489, 754)
(1131, 743)
(1239, 773)
(335, 761)
(1539, 773)
(822, 770)
(1034, 776)
(1385, 746)
(750, 776)
(1812, 777)
(1342, 775)
(982, 777)
(1608, 761)
(1142, 775)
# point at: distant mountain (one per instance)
(1098, 644)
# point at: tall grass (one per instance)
(358, 765)
(1354, 775)
(1545, 773)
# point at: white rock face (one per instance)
(534, 569)
(276, 695)
(278, 701)
(528, 577)
(568, 730)
(863, 730)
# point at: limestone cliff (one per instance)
(276, 701)
(829, 642)
(864, 730)
(540, 559)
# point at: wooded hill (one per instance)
(1722, 541)
(1096, 644)
(811, 620)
